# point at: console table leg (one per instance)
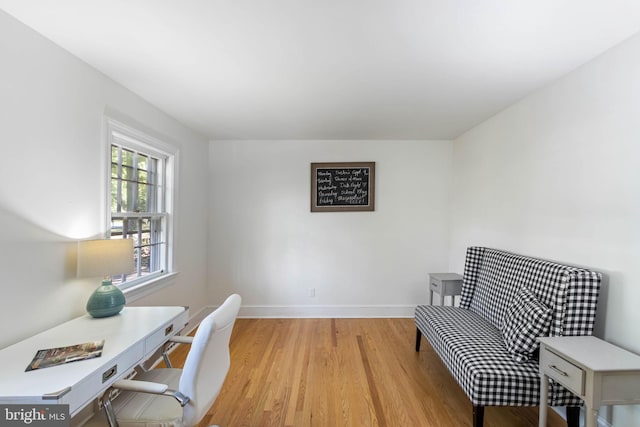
(591, 415)
(544, 389)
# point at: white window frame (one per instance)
(137, 140)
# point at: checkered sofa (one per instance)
(488, 342)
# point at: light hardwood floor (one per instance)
(343, 372)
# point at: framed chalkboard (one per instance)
(345, 186)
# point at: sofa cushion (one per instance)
(525, 320)
(474, 351)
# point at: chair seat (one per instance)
(146, 410)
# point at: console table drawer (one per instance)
(563, 371)
(436, 286)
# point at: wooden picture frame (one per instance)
(343, 186)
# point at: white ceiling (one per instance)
(332, 69)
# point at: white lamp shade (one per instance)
(105, 257)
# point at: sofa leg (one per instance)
(418, 339)
(573, 416)
(478, 415)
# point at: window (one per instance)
(140, 201)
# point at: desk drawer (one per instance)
(100, 380)
(563, 371)
(160, 336)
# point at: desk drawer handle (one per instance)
(109, 373)
(168, 330)
(558, 370)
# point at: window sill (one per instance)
(147, 288)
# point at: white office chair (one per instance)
(143, 400)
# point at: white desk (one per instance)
(598, 372)
(130, 338)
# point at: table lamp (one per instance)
(105, 258)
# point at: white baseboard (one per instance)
(325, 311)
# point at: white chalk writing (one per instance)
(342, 186)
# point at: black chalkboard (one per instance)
(345, 186)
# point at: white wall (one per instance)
(557, 175)
(51, 183)
(267, 245)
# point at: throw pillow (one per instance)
(525, 320)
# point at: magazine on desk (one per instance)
(60, 355)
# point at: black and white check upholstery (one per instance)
(526, 319)
(469, 339)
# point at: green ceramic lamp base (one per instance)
(107, 300)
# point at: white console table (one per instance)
(130, 337)
(445, 284)
(596, 371)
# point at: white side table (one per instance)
(598, 372)
(445, 284)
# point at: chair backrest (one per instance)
(208, 361)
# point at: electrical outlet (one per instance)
(312, 292)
